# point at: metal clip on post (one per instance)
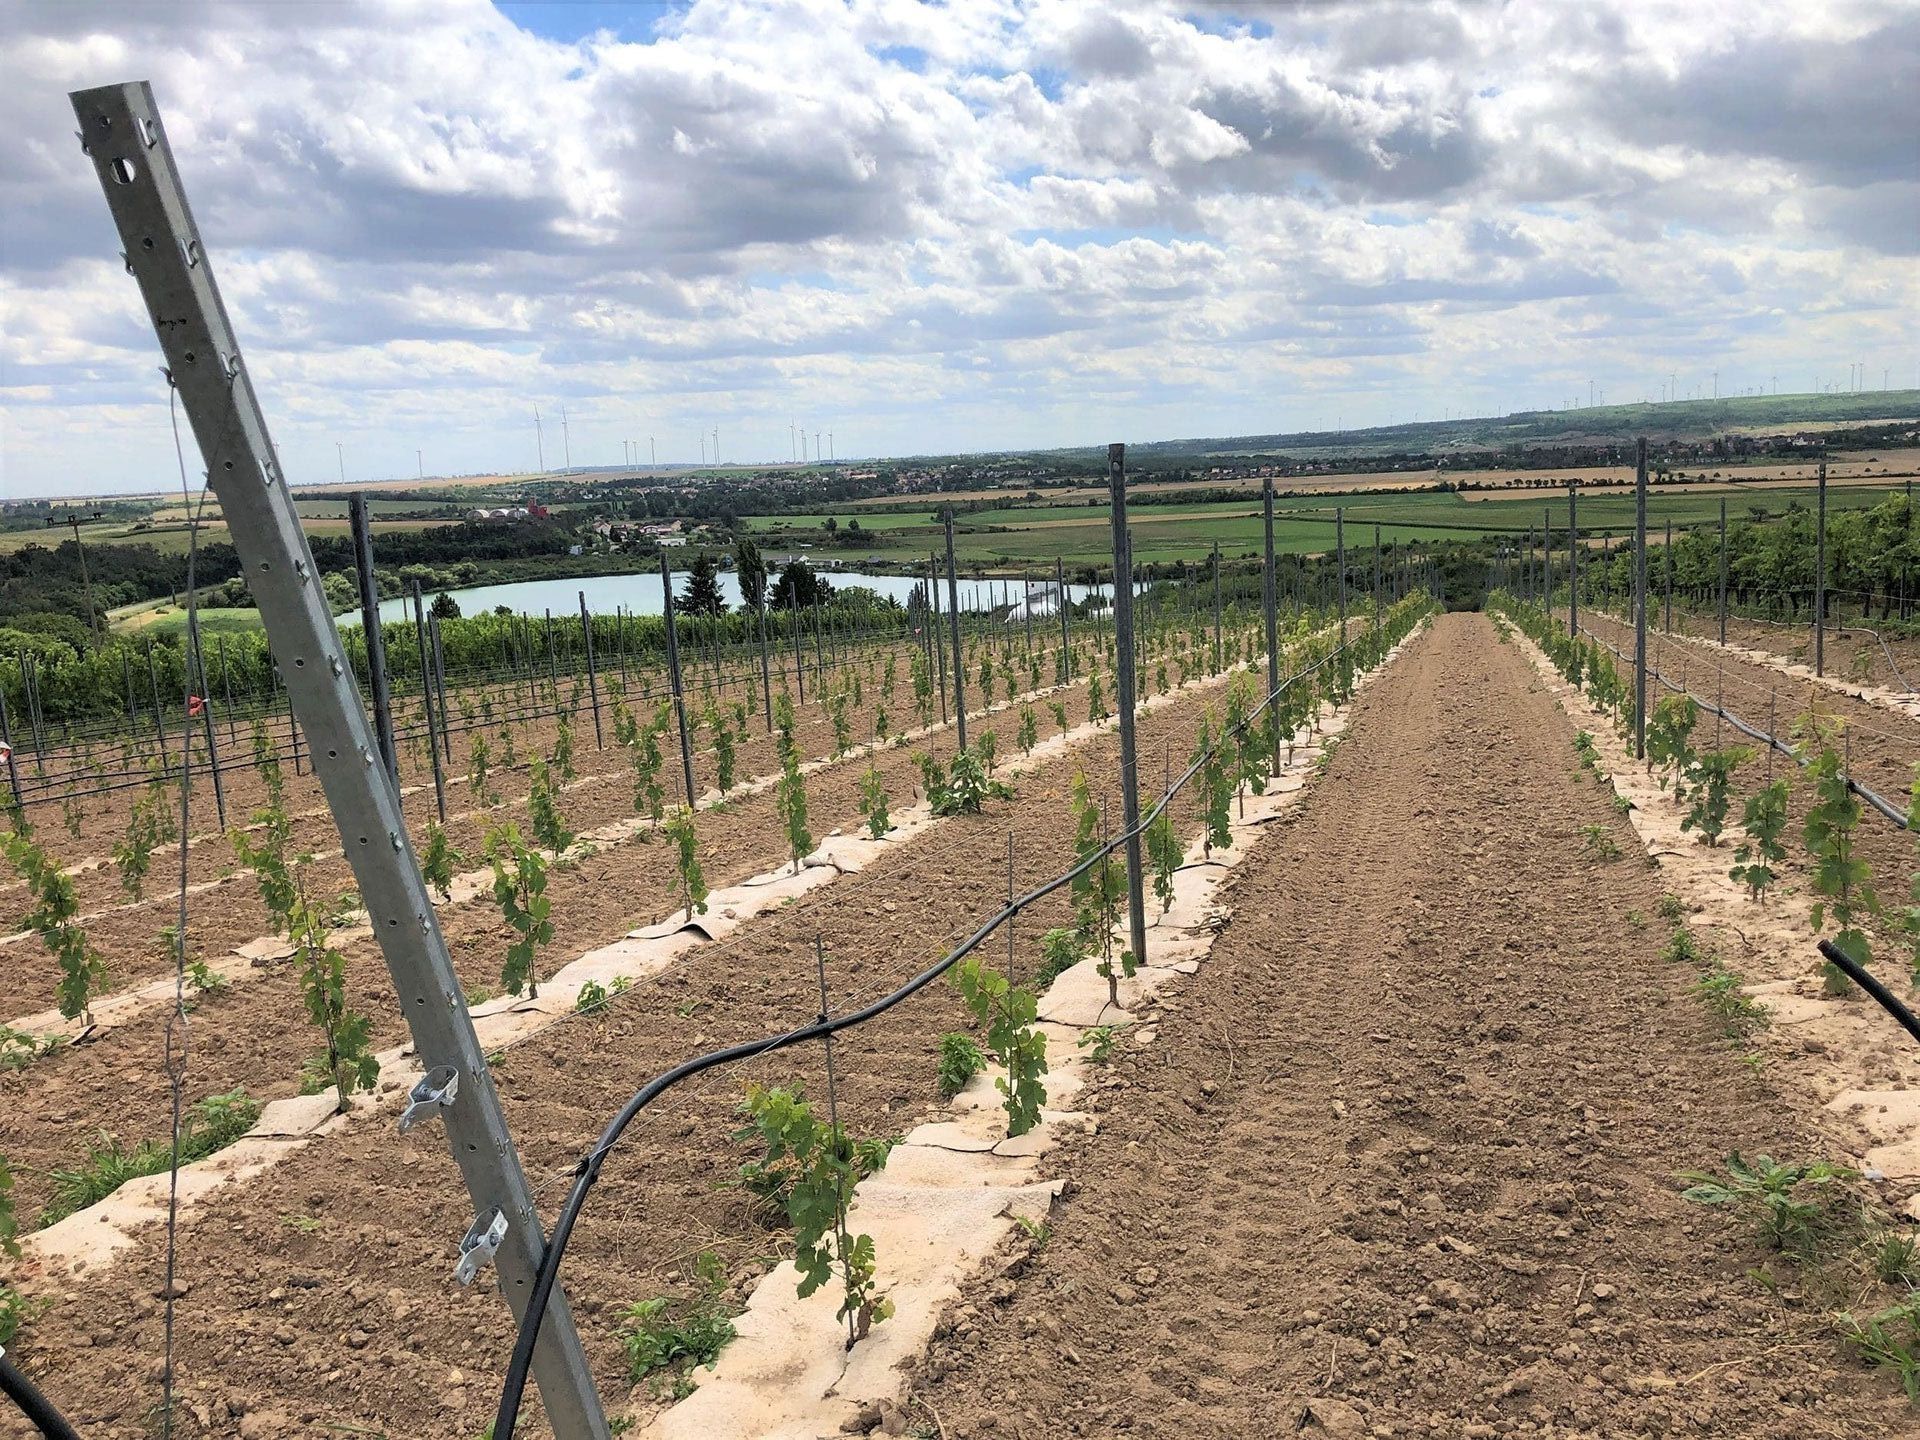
(439, 1086)
(483, 1237)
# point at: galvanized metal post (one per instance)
(1340, 550)
(766, 665)
(1640, 599)
(122, 133)
(440, 684)
(1666, 557)
(593, 676)
(1065, 667)
(673, 676)
(1218, 660)
(953, 628)
(1268, 601)
(6, 743)
(1820, 576)
(195, 675)
(371, 634)
(426, 702)
(1123, 641)
(1722, 605)
(1376, 579)
(1573, 561)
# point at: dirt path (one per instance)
(1404, 1152)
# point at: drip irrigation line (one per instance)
(35, 1406)
(587, 1169)
(1865, 979)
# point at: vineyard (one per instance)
(1262, 1006)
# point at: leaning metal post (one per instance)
(121, 130)
(1123, 640)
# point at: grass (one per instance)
(209, 1125)
(662, 1335)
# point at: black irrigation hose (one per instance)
(588, 1168)
(1871, 797)
(1864, 978)
(35, 1406)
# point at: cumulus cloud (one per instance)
(1008, 222)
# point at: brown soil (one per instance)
(1401, 1160)
(1851, 652)
(320, 1297)
(255, 1034)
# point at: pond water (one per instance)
(639, 594)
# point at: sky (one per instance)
(929, 228)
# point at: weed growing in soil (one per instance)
(1793, 1205)
(1738, 1012)
(1890, 1338)
(1599, 842)
(965, 788)
(1097, 1041)
(1671, 908)
(1060, 951)
(209, 1125)
(960, 1061)
(661, 1335)
(1681, 949)
(1009, 1013)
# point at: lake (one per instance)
(639, 594)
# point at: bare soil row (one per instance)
(1402, 1159)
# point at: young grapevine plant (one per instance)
(1009, 1013)
(810, 1169)
(54, 916)
(520, 890)
(1764, 820)
(1840, 877)
(693, 884)
(873, 801)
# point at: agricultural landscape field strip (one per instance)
(379, 1214)
(1467, 1085)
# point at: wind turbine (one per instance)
(566, 440)
(540, 439)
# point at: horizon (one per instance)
(922, 233)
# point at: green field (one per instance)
(1302, 524)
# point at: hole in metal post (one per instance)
(123, 170)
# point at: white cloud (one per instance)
(1005, 222)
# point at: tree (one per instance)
(703, 595)
(753, 574)
(830, 525)
(444, 607)
(798, 588)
